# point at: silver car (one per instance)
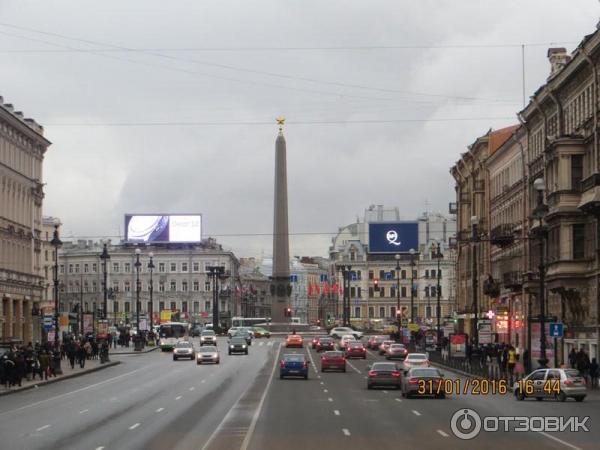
(183, 349)
(423, 381)
(551, 383)
(208, 353)
(208, 337)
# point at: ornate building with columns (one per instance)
(22, 150)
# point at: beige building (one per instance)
(22, 149)
(473, 265)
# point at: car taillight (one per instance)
(282, 364)
(413, 381)
(396, 374)
(372, 373)
(568, 382)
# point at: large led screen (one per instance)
(397, 237)
(150, 228)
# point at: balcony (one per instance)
(502, 235)
(590, 182)
(513, 280)
(491, 287)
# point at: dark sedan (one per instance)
(325, 344)
(423, 381)
(238, 345)
(383, 374)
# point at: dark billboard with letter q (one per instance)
(395, 237)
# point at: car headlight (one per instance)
(243, 346)
(231, 346)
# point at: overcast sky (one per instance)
(170, 106)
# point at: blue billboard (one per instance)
(396, 237)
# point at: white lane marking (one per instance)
(352, 365)
(42, 428)
(178, 397)
(204, 381)
(192, 388)
(99, 448)
(312, 361)
(91, 386)
(346, 431)
(385, 392)
(160, 409)
(329, 399)
(325, 391)
(83, 411)
(336, 412)
(134, 426)
(261, 344)
(549, 436)
(416, 413)
(319, 377)
(321, 383)
(442, 433)
(399, 400)
(270, 344)
(250, 431)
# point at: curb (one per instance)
(134, 353)
(64, 377)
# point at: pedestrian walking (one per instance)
(573, 358)
(511, 363)
(583, 364)
(44, 359)
(81, 356)
(71, 353)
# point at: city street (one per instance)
(150, 401)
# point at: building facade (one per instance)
(179, 281)
(374, 307)
(255, 286)
(22, 150)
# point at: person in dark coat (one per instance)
(44, 359)
(573, 358)
(81, 356)
(9, 368)
(19, 372)
(71, 353)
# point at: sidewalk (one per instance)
(90, 366)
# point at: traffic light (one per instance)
(288, 312)
(398, 314)
(376, 284)
(319, 322)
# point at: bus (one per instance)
(249, 321)
(169, 333)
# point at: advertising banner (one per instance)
(143, 324)
(396, 237)
(88, 323)
(63, 320)
(485, 332)
(51, 335)
(102, 327)
(148, 228)
(458, 345)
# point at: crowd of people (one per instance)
(29, 362)
(588, 369)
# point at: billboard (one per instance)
(149, 228)
(396, 237)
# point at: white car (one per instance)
(184, 349)
(232, 331)
(338, 332)
(345, 340)
(415, 360)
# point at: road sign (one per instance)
(413, 327)
(556, 329)
(404, 322)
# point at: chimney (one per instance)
(558, 58)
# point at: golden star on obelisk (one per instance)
(280, 122)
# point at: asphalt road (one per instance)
(152, 402)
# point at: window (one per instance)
(86, 268)
(184, 306)
(116, 307)
(382, 311)
(359, 292)
(352, 292)
(382, 274)
(370, 292)
(403, 291)
(381, 291)
(404, 274)
(428, 312)
(427, 274)
(70, 268)
(432, 273)
(196, 307)
(432, 289)
(127, 268)
(149, 307)
(184, 267)
(173, 306)
(576, 171)
(46, 255)
(149, 287)
(173, 267)
(196, 286)
(127, 307)
(173, 285)
(196, 267)
(357, 311)
(393, 291)
(161, 306)
(371, 312)
(184, 286)
(358, 274)
(207, 286)
(127, 287)
(76, 268)
(207, 305)
(370, 274)
(578, 241)
(115, 267)
(393, 274)
(427, 291)
(94, 286)
(393, 311)
(161, 267)
(439, 274)
(161, 286)
(62, 268)
(116, 286)
(94, 267)
(415, 311)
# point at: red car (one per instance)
(396, 351)
(333, 361)
(315, 340)
(325, 344)
(356, 350)
(294, 340)
(375, 341)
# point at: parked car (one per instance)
(294, 365)
(333, 360)
(551, 383)
(423, 381)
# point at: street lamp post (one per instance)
(56, 243)
(438, 309)
(345, 270)
(137, 265)
(151, 289)
(475, 306)
(105, 257)
(215, 273)
(412, 284)
(539, 213)
(398, 310)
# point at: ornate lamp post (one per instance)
(56, 243)
(345, 270)
(398, 310)
(539, 213)
(475, 306)
(412, 284)
(105, 257)
(151, 288)
(437, 254)
(137, 265)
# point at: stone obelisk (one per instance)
(280, 281)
